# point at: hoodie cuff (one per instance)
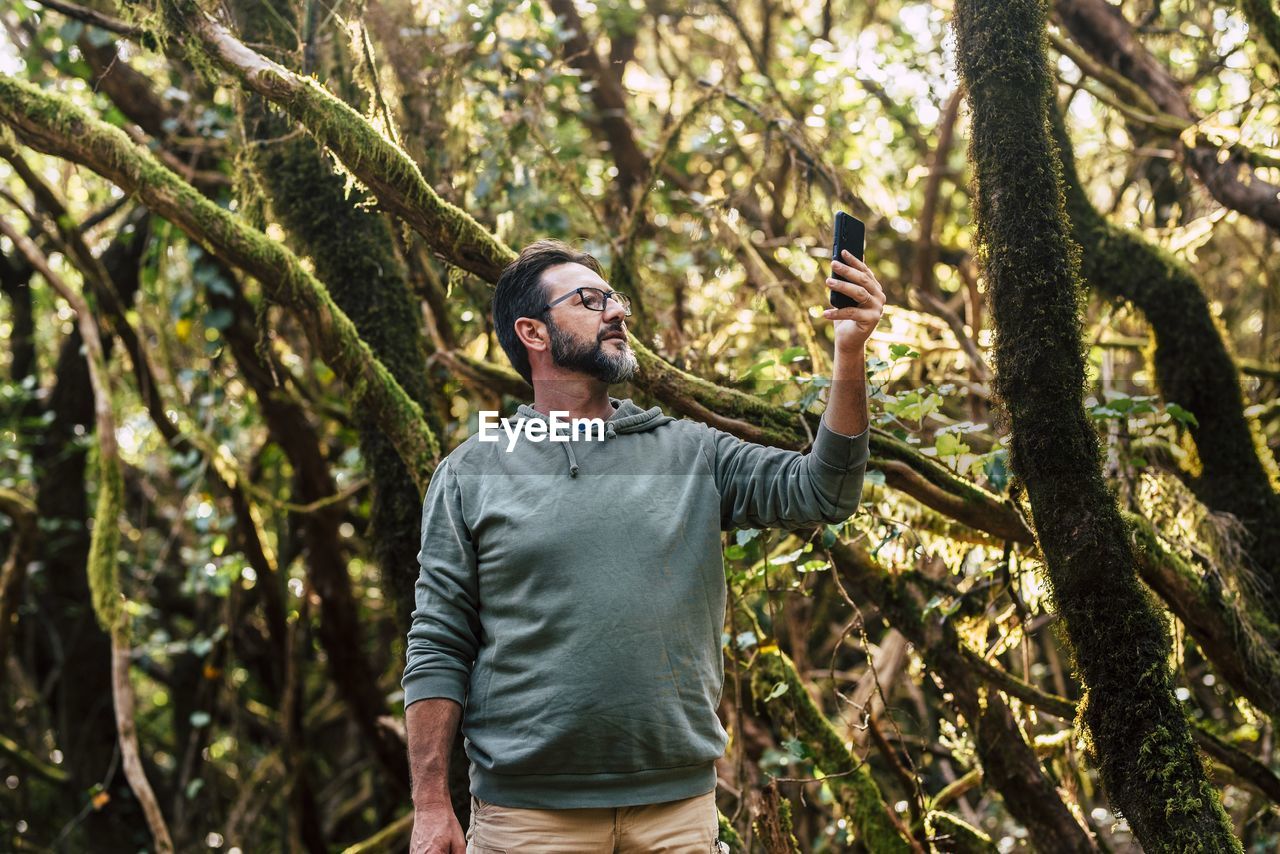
(840, 451)
(424, 686)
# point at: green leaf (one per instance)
(912, 406)
(755, 369)
(1182, 416)
(783, 560)
(797, 748)
(949, 445)
(793, 354)
(778, 691)
(996, 468)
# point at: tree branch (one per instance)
(877, 825)
(376, 161)
(1237, 470)
(1245, 766)
(55, 126)
(1008, 762)
(610, 102)
(1102, 30)
(94, 18)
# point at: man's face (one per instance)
(589, 342)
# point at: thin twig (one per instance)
(97, 19)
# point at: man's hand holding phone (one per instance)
(857, 298)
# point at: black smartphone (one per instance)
(851, 234)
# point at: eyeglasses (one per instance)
(595, 299)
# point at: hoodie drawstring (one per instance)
(609, 433)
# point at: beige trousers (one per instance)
(690, 826)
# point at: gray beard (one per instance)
(591, 358)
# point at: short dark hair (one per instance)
(521, 293)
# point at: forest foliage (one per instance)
(246, 263)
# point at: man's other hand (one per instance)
(436, 831)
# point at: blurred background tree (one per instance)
(255, 242)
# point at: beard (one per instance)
(591, 358)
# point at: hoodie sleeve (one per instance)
(444, 636)
(764, 487)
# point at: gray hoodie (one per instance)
(571, 596)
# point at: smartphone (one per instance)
(851, 234)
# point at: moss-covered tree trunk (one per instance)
(1137, 733)
(354, 255)
(353, 252)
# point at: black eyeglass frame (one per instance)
(621, 299)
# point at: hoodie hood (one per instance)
(626, 418)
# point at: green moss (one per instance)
(777, 426)
(1240, 643)
(729, 834)
(1135, 728)
(376, 161)
(353, 252)
(774, 826)
(103, 569)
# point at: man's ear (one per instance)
(533, 333)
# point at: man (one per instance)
(571, 595)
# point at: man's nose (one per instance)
(613, 313)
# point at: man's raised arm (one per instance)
(765, 487)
